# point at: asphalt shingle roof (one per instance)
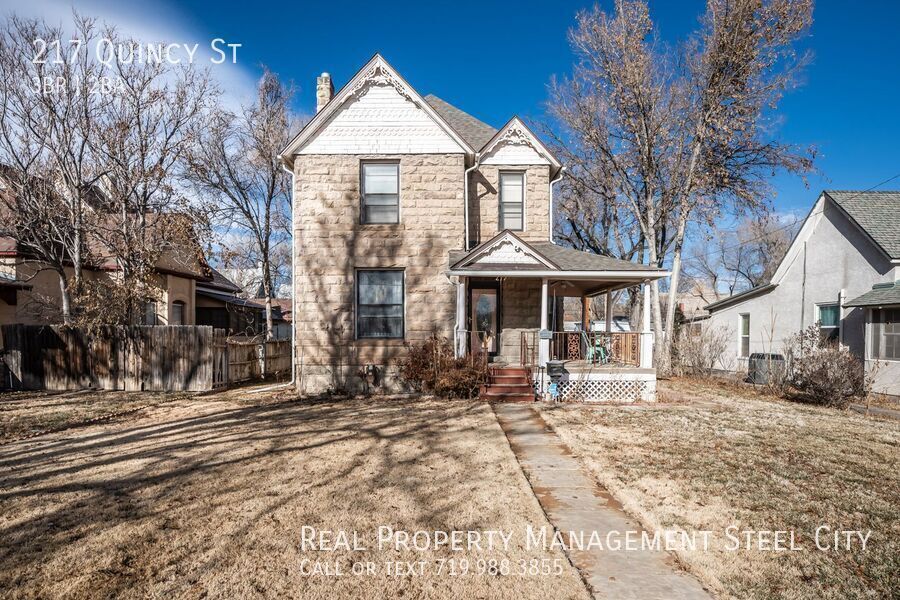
(876, 213)
(567, 259)
(881, 294)
(475, 132)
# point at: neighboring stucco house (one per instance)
(413, 218)
(848, 245)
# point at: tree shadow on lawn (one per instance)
(141, 484)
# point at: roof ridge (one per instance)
(862, 191)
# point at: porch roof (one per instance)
(507, 255)
(881, 294)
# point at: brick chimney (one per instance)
(324, 90)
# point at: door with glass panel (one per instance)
(484, 316)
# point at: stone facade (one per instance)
(484, 202)
(331, 244)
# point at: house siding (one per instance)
(484, 202)
(837, 257)
(331, 244)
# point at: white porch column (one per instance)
(460, 333)
(609, 312)
(646, 334)
(543, 345)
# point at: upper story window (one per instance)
(745, 336)
(380, 192)
(379, 303)
(512, 201)
(886, 334)
(829, 320)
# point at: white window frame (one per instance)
(821, 327)
(741, 336)
(356, 273)
(873, 341)
(524, 174)
(362, 189)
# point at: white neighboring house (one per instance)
(841, 272)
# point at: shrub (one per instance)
(821, 372)
(433, 367)
(699, 354)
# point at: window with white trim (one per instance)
(828, 317)
(512, 201)
(745, 335)
(885, 334)
(380, 193)
(379, 304)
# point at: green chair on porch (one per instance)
(595, 351)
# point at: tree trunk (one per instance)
(665, 363)
(65, 298)
(267, 290)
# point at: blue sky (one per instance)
(494, 59)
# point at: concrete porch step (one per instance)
(509, 379)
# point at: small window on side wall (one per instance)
(512, 201)
(379, 304)
(380, 193)
(177, 316)
(829, 320)
(150, 313)
(745, 336)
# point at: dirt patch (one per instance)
(206, 498)
(720, 456)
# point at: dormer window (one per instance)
(380, 193)
(512, 200)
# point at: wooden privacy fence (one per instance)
(133, 358)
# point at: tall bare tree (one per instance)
(48, 115)
(676, 142)
(236, 166)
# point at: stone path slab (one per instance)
(574, 501)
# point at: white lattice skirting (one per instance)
(618, 388)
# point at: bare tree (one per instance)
(48, 115)
(236, 165)
(676, 142)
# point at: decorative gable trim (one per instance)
(377, 72)
(516, 133)
(505, 248)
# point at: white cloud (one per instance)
(154, 23)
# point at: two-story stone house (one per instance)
(412, 218)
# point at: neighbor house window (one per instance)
(745, 336)
(177, 316)
(380, 192)
(886, 334)
(829, 320)
(512, 201)
(379, 304)
(150, 313)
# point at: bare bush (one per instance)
(434, 368)
(699, 353)
(822, 372)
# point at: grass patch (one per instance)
(206, 498)
(715, 455)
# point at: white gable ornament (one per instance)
(380, 75)
(508, 252)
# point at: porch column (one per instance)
(609, 311)
(586, 313)
(543, 344)
(646, 334)
(460, 333)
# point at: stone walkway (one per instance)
(573, 501)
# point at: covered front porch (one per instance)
(511, 310)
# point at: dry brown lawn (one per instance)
(716, 455)
(205, 497)
(26, 413)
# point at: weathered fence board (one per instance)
(135, 358)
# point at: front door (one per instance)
(484, 316)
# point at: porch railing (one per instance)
(596, 347)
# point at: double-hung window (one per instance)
(829, 320)
(512, 200)
(745, 336)
(886, 334)
(379, 304)
(380, 193)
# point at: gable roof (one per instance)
(877, 214)
(515, 131)
(549, 257)
(376, 70)
(475, 132)
(881, 294)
